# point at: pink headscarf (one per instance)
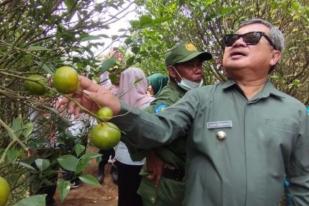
(133, 88)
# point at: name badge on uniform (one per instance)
(219, 124)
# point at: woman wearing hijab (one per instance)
(156, 83)
(132, 90)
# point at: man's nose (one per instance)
(239, 42)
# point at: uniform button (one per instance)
(221, 135)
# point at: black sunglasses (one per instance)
(250, 38)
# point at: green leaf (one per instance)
(42, 164)
(209, 2)
(128, 41)
(89, 179)
(145, 20)
(103, 35)
(63, 186)
(85, 160)
(35, 200)
(68, 162)
(37, 48)
(20, 128)
(82, 164)
(12, 154)
(79, 149)
(224, 11)
(45, 67)
(107, 64)
(28, 166)
(17, 126)
(28, 128)
(69, 4)
(130, 61)
(90, 38)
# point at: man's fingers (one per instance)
(91, 96)
(87, 84)
(61, 102)
(77, 111)
(91, 99)
(71, 107)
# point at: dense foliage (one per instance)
(36, 37)
(205, 21)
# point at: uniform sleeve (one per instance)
(159, 104)
(156, 106)
(298, 173)
(146, 130)
(162, 101)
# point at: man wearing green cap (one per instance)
(163, 174)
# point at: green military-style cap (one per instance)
(183, 52)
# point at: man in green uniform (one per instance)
(163, 174)
(244, 136)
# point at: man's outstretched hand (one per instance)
(91, 96)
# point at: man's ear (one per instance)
(276, 56)
(171, 72)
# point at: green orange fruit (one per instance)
(66, 80)
(4, 191)
(105, 135)
(36, 84)
(105, 114)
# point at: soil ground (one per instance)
(85, 195)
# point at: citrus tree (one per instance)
(36, 37)
(163, 23)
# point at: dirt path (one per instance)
(85, 195)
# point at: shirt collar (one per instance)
(175, 87)
(228, 84)
(267, 91)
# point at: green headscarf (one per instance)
(157, 81)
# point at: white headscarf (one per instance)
(107, 83)
(105, 80)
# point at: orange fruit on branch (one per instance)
(4, 191)
(66, 80)
(105, 135)
(105, 114)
